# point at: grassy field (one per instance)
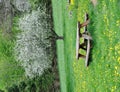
(102, 75)
(63, 20)
(59, 28)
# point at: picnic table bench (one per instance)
(86, 40)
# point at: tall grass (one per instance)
(10, 71)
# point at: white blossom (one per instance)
(30, 49)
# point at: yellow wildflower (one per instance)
(113, 89)
(116, 67)
(111, 48)
(119, 59)
(118, 23)
(116, 73)
(118, 52)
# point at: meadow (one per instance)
(103, 72)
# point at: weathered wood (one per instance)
(85, 36)
(87, 39)
(88, 52)
(85, 23)
(77, 40)
(78, 44)
(69, 1)
(86, 44)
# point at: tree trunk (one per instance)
(6, 16)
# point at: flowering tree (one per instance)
(31, 45)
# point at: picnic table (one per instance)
(85, 45)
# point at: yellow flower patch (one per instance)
(117, 47)
(113, 89)
(118, 60)
(116, 67)
(111, 48)
(118, 23)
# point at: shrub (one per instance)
(1, 90)
(22, 86)
(13, 88)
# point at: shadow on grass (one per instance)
(90, 55)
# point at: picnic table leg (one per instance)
(88, 52)
(85, 23)
(69, 1)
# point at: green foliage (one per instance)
(14, 88)
(1, 90)
(38, 84)
(22, 86)
(36, 3)
(10, 71)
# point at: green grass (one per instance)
(63, 22)
(10, 71)
(59, 28)
(102, 75)
(69, 43)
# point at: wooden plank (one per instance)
(77, 40)
(87, 39)
(85, 36)
(85, 23)
(88, 52)
(78, 44)
(86, 44)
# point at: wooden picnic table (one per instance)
(86, 43)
